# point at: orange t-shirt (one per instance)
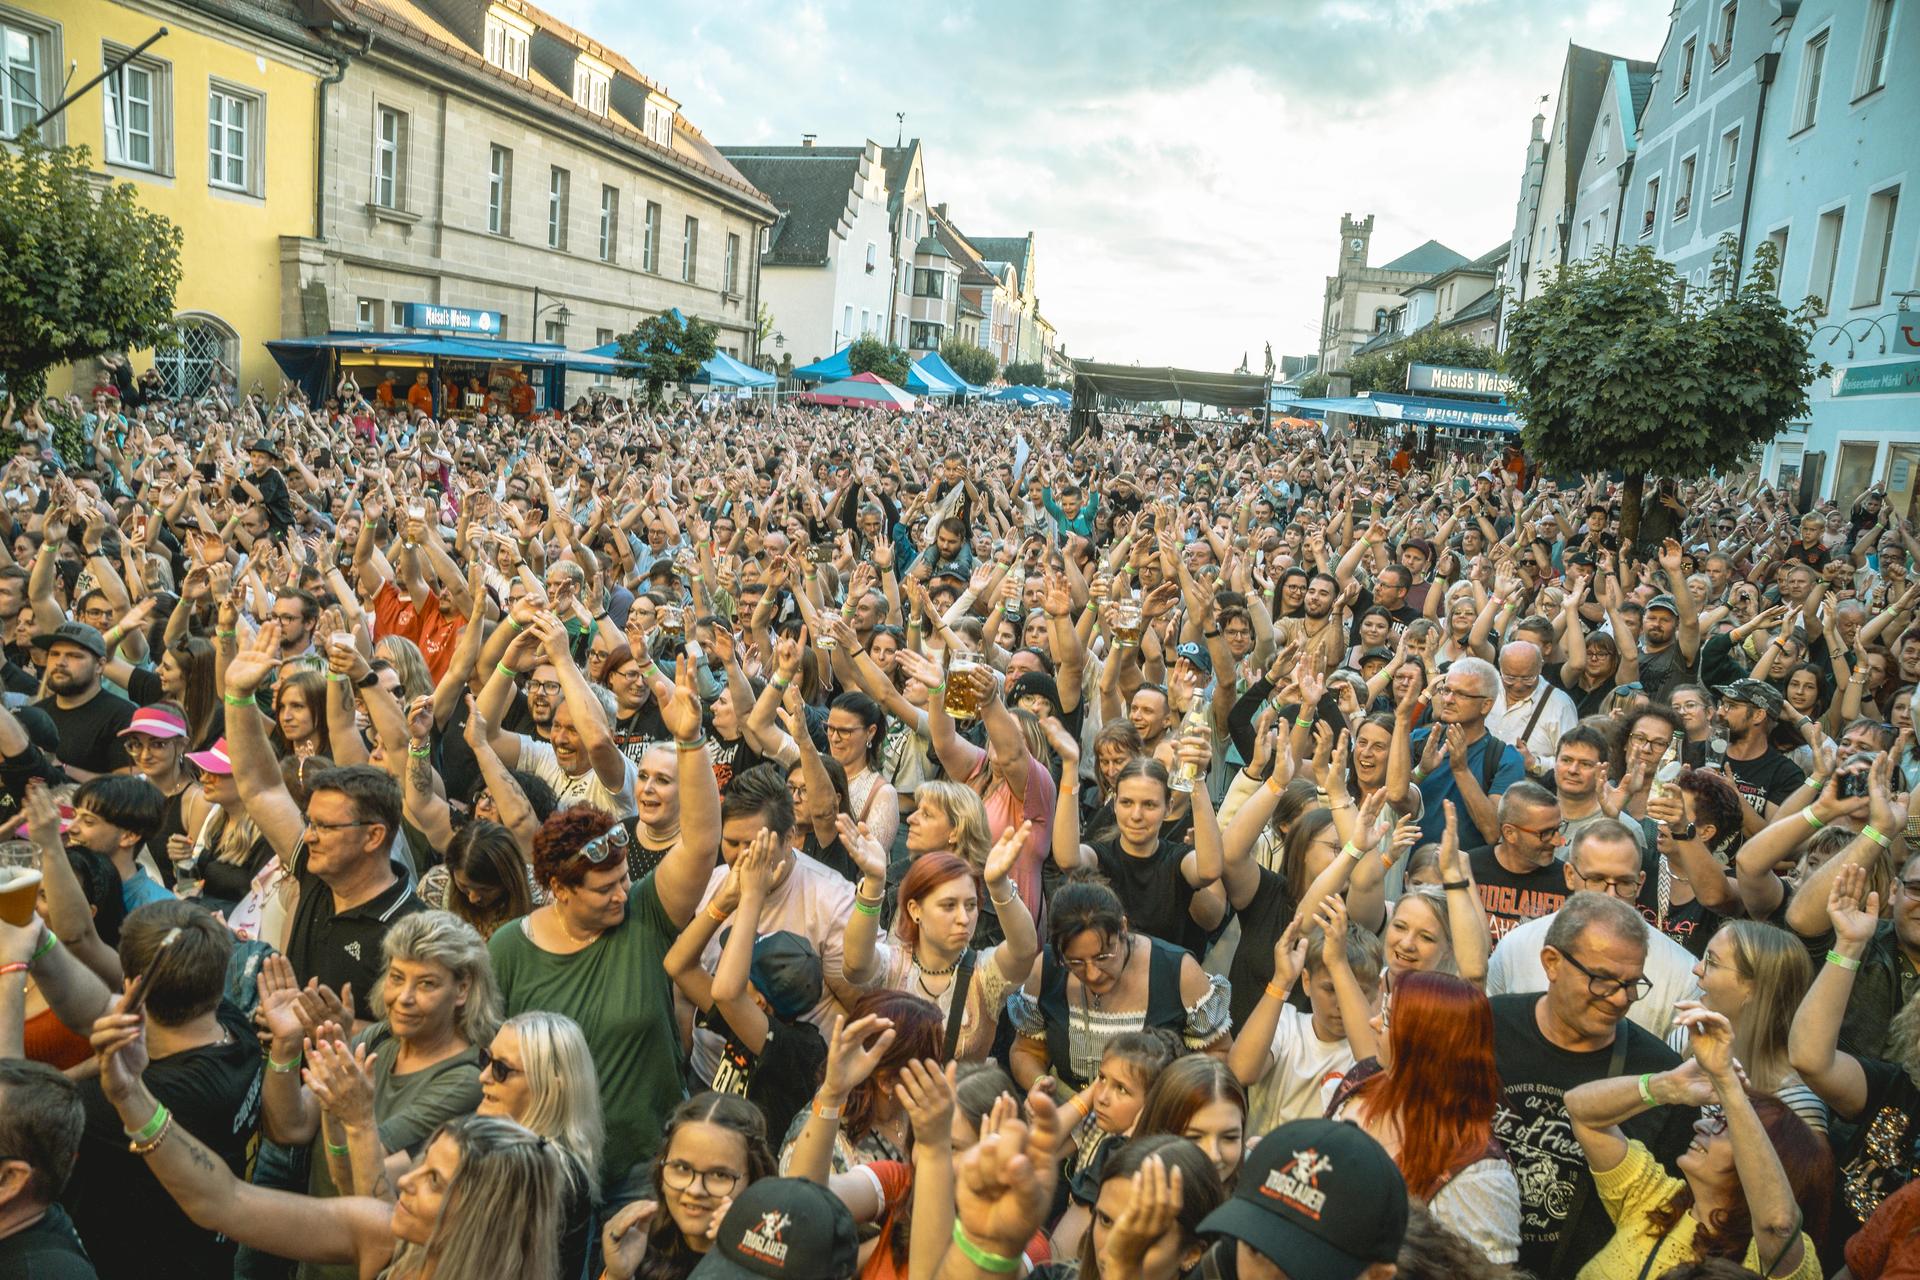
(1887, 1248)
(521, 397)
(428, 625)
(420, 397)
(894, 1180)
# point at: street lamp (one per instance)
(559, 310)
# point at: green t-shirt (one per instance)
(617, 989)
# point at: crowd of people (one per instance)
(730, 840)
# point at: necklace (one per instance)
(935, 973)
(572, 937)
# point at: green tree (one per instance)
(870, 355)
(1313, 386)
(1618, 365)
(1386, 370)
(1026, 373)
(974, 363)
(662, 350)
(83, 269)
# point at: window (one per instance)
(733, 263)
(204, 343)
(689, 249)
(873, 256)
(367, 318)
(1683, 200)
(1605, 132)
(1586, 240)
(1721, 48)
(556, 332)
(658, 119)
(1685, 78)
(557, 181)
(234, 118)
(846, 323)
(397, 314)
(499, 190)
(866, 321)
(590, 88)
(1606, 216)
(25, 54)
(390, 159)
(601, 337)
(650, 245)
(924, 336)
(1778, 239)
(1653, 206)
(1728, 165)
(609, 222)
(1826, 256)
(929, 284)
(135, 104)
(1813, 67)
(507, 42)
(1876, 247)
(1873, 50)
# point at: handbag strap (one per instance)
(957, 1006)
(1539, 709)
(1616, 1064)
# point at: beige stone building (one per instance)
(488, 156)
(1360, 300)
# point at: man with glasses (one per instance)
(1530, 714)
(297, 612)
(1520, 877)
(1473, 766)
(1605, 860)
(1764, 777)
(1572, 1025)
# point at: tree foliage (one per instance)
(84, 269)
(974, 363)
(663, 350)
(1619, 365)
(1026, 373)
(869, 354)
(1386, 370)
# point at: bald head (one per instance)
(1520, 664)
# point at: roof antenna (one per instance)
(900, 137)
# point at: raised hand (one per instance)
(1155, 1208)
(681, 713)
(1006, 852)
(254, 663)
(854, 1052)
(1004, 1184)
(340, 1077)
(925, 1091)
(866, 852)
(623, 1240)
(1853, 909)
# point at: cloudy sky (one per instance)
(1184, 165)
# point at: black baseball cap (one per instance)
(1320, 1198)
(78, 634)
(786, 970)
(1755, 693)
(785, 1228)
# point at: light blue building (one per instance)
(1835, 192)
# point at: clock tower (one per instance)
(1356, 234)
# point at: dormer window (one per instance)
(507, 37)
(659, 121)
(590, 85)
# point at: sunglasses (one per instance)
(499, 1068)
(605, 845)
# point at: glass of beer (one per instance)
(19, 881)
(962, 700)
(1126, 623)
(673, 621)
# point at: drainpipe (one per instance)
(342, 59)
(1620, 200)
(1764, 68)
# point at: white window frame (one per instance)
(1686, 177)
(499, 190)
(1650, 214)
(1727, 163)
(591, 87)
(690, 250)
(556, 332)
(389, 157)
(1829, 250)
(1876, 46)
(732, 276)
(159, 111)
(609, 222)
(650, 243)
(367, 313)
(507, 42)
(1726, 23)
(1813, 77)
(601, 337)
(1876, 246)
(559, 196)
(1683, 77)
(20, 103)
(253, 130)
(397, 314)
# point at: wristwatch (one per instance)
(367, 681)
(1682, 833)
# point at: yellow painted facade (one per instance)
(230, 259)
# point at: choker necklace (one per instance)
(936, 973)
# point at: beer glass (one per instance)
(19, 881)
(673, 621)
(962, 700)
(1126, 623)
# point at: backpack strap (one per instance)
(957, 1006)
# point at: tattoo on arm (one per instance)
(198, 1154)
(420, 774)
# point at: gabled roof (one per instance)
(1583, 82)
(930, 245)
(1479, 309)
(1430, 258)
(811, 187)
(898, 162)
(973, 270)
(1487, 264)
(1017, 251)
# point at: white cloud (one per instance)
(1183, 165)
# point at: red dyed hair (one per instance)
(918, 1027)
(1443, 1085)
(926, 873)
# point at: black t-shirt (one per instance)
(636, 734)
(1659, 672)
(781, 1078)
(338, 948)
(457, 764)
(89, 732)
(730, 759)
(1512, 899)
(1768, 778)
(1690, 924)
(1152, 889)
(1531, 1123)
(1261, 924)
(47, 1250)
(131, 1226)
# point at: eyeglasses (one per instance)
(1713, 1120)
(499, 1068)
(678, 1175)
(1090, 963)
(1451, 691)
(1605, 986)
(1550, 834)
(549, 687)
(1628, 690)
(603, 846)
(1630, 885)
(316, 825)
(841, 730)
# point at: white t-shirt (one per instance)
(538, 759)
(1304, 1074)
(1515, 966)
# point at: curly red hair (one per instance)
(559, 838)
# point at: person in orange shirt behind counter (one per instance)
(420, 395)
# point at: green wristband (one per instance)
(251, 700)
(980, 1257)
(1646, 1094)
(282, 1068)
(1812, 821)
(506, 671)
(1883, 841)
(152, 1126)
(337, 1151)
(866, 908)
(47, 944)
(515, 623)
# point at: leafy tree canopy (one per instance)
(974, 363)
(869, 354)
(663, 350)
(1026, 373)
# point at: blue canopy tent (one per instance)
(937, 364)
(318, 363)
(1472, 415)
(724, 371)
(1031, 397)
(832, 369)
(925, 380)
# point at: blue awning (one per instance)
(724, 371)
(936, 363)
(1470, 414)
(924, 379)
(832, 369)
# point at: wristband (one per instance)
(1883, 841)
(1277, 992)
(149, 1146)
(153, 1126)
(1646, 1094)
(824, 1113)
(283, 1067)
(1845, 962)
(515, 623)
(1419, 776)
(695, 744)
(337, 677)
(1269, 781)
(937, 688)
(1353, 851)
(420, 753)
(1013, 895)
(14, 966)
(227, 635)
(251, 700)
(866, 908)
(1450, 885)
(506, 671)
(47, 944)
(1812, 821)
(715, 914)
(337, 1151)
(980, 1257)
(781, 682)
(1303, 722)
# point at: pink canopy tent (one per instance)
(861, 391)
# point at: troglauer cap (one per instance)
(1755, 693)
(1196, 654)
(785, 1228)
(1320, 1198)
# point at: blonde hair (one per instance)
(1776, 963)
(563, 1090)
(505, 1202)
(408, 664)
(1435, 901)
(238, 833)
(972, 836)
(442, 938)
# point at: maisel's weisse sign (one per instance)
(1459, 382)
(431, 315)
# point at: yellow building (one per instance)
(213, 123)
